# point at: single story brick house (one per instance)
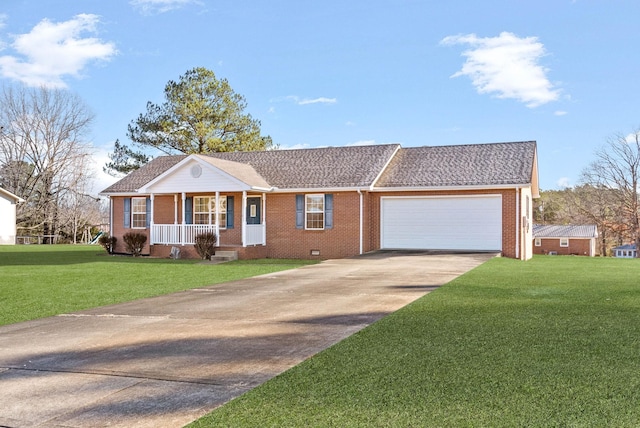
(579, 240)
(8, 203)
(334, 202)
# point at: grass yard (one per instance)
(42, 280)
(554, 341)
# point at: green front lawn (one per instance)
(42, 280)
(554, 341)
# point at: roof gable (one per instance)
(198, 173)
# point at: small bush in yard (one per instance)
(134, 242)
(107, 242)
(205, 244)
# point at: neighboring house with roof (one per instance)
(628, 251)
(8, 203)
(334, 202)
(577, 240)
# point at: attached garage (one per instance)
(442, 223)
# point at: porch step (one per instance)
(225, 256)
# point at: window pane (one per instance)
(314, 205)
(315, 220)
(200, 218)
(200, 204)
(205, 205)
(139, 212)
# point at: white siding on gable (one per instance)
(7, 221)
(442, 223)
(197, 177)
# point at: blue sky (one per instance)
(336, 73)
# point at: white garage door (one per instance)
(442, 223)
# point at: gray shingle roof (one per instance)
(359, 166)
(138, 178)
(565, 231)
(242, 171)
(464, 165)
(331, 167)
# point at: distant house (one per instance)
(565, 240)
(8, 202)
(334, 202)
(628, 251)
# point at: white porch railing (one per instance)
(178, 233)
(181, 234)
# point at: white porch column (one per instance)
(244, 218)
(151, 234)
(217, 214)
(175, 209)
(184, 219)
(264, 219)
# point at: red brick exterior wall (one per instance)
(580, 247)
(118, 229)
(284, 240)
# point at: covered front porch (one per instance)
(218, 216)
(203, 194)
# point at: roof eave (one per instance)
(16, 198)
(450, 188)
(319, 189)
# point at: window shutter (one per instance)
(328, 211)
(299, 211)
(148, 212)
(127, 213)
(229, 212)
(188, 211)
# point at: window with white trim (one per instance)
(314, 212)
(204, 210)
(537, 242)
(564, 242)
(138, 213)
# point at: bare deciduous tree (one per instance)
(42, 150)
(617, 171)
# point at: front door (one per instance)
(253, 210)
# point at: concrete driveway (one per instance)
(166, 361)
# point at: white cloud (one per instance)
(148, 7)
(305, 101)
(52, 51)
(295, 147)
(320, 100)
(633, 137)
(563, 182)
(362, 143)
(506, 66)
(560, 113)
(101, 179)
